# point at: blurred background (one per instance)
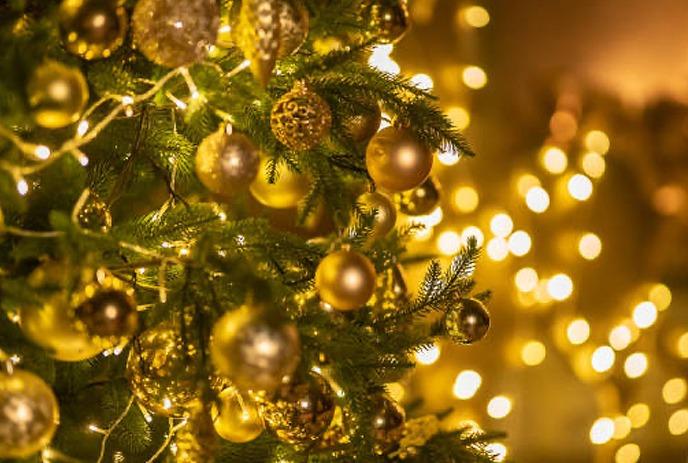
(577, 109)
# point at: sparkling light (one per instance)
(554, 160)
(499, 407)
(448, 157)
(422, 81)
(602, 359)
(525, 182)
(449, 242)
(22, 187)
(639, 414)
(537, 199)
(526, 279)
(635, 365)
(459, 116)
(593, 164)
(501, 225)
(497, 249)
(678, 422)
(533, 353)
(473, 231)
(560, 286)
(580, 187)
(474, 77)
(682, 346)
(660, 296)
(475, 16)
(620, 337)
(467, 384)
(466, 199)
(42, 152)
(578, 331)
(674, 390)
(519, 243)
(597, 141)
(590, 246)
(497, 450)
(645, 314)
(628, 453)
(428, 356)
(602, 431)
(622, 427)
(380, 59)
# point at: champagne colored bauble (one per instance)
(226, 164)
(385, 212)
(253, 351)
(28, 414)
(422, 200)
(237, 419)
(197, 440)
(95, 215)
(345, 279)
(469, 322)
(390, 18)
(364, 125)
(301, 411)
(175, 33)
(93, 29)
(300, 119)
(286, 192)
(387, 423)
(397, 160)
(57, 94)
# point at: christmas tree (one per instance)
(198, 253)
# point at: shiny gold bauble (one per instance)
(93, 28)
(422, 200)
(397, 160)
(286, 192)
(390, 18)
(95, 215)
(175, 33)
(345, 279)
(385, 212)
(364, 125)
(237, 419)
(226, 164)
(387, 423)
(469, 322)
(196, 441)
(252, 350)
(57, 94)
(300, 119)
(28, 414)
(301, 411)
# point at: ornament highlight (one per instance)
(345, 279)
(237, 419)
(196, 441)
(422, 200)
(93, 29)
(57, 94)
(95, 215)
(397, 160)
(469, 322)
(387, 424)
(390, 18)
(300, 119)
(286, 192)
(385, 212)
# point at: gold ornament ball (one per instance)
(365, 124)
(252, 350)
(293, 26)
(175, 33)
(57, 94)
(301, 411)
(237, 419)
(300, 119)
(196, 441)
(225, 163)
(390, 18)
(387, 423)
(422, 200)
(397, 160)
(286, 192)
(93, 28)
(345, 279)
(385, 212)
(95, 215)
(469, 322)
(28, 414)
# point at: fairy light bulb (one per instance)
(497, 450)
(497, 249)
(578, 331)
(674, 390)
(537, 199)
(639, 414)
(602, 431)
(501, 225)
(627, 453)
(449, 242)
(644, 314)
(560, 287)
(474, 77)
(422, 81)
(474, 232)
(580, 187)
(636, 365)
(428, 356)
(459, 116)
(660, 296)
(554, 160)
(465, 199)
(620, 337)
(678, 422)
(474, 16)
(466, 384)
(526, 279)
(519, 243)
(597, 141)
(499, 407)
(593, 164)
(533, 353)
(602, 359)
(589, 246)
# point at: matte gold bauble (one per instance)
(387, 423)
(286, 192)
(385, 212)
(95, 215)
(397, 160)
(300, 119)
(196, 441)
(422, 200)
(226, 164)
(93, 28)
(345, 279)
(57, 95)
(175, 33)
(469, 322)
(28, 414)
(364, 125)
(252, 350)
(237, 419)
(390, 18)
(301, 411)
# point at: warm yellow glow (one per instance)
(541, 293)
(622, 427)
(380, 59)
(497, 249)
(449, 242)
(645, 314)
(497, 450)
(597, 141)
(602, 431)
(474, 77)
(533, 353)
(674, 390)
(580, 187)
(499, 407)
(593, 164)
(448, 157)
(554, 160)
(620, 337)
(519, 243)
(537, 199)
(628, 453)
(459, 116)
(525, 182)
(635, 365)
(467, 384)
(660, 296)
(475, 16)
(590, 246)
(560, 286)
(578, 331)
(473, 231)
(682, 346)
(428, 356)
(431, 219)
(639, 414)
(501, 225)
(466, 199)
(602, 359)
(422, 81)
(526, 279)
(678, 422)
(396, 391)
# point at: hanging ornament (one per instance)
(226, 163)
(422, 200)
(417, 432)
(175, 33)
(252, 350)
(237, 419)
(95, 215)
(300, 119)
(196, 441)
(337, 434)
(93, 28)
(268, 30)
(469, 322)
(385, 212)
(286, 192)
(364, 125)
(397, 160)
(28, 414)
(387, 423)
(57, 94)
(301, 411)
(345, 279)
(390, 19)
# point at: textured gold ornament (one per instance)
(417, 432)
(396, 160)
(390, 18)
(237, 419)
(95, 215)
(385, 212)
(422, 200)
(93, 28)
(364, 125)
(469, 322)
(196, 441)
(286, 192)
(28, 414)
(301, 410)
(226, 164)
(57, 94)
(175, 33)
(387, 424)
(300, 119)
(345, 279)
(252, 350)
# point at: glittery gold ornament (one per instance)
(422, 200)
(364, 125)
(417, 432)
(95, 215)
(385, 212)
(397, 160)
(175, 33)
(300, 119)
(387, 423)
(253, 350)
(390, 18)
(469, 322)
(301, 411)
(93, 28)
(345, 279)
(28, 414)
(57, 94)
(226, 164)
(286, 192)
(237, 419)
(196, 441)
